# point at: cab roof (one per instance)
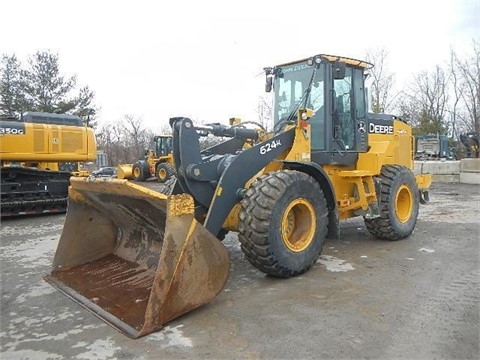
(332, 58)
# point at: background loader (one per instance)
(471, 142)
(156, 163)
(138, 258)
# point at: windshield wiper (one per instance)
(303, 99)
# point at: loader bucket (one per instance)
(135, 257)
(125, 171)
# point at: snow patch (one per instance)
(100, 349)
(172, 336)
(33, 253)
(427, 250)
(20, 230)
(335, 264)
(37, 290)
(30, 354)
(80, 344)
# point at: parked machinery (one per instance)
(138, 258)
(433, 147)
(38, 155)
(156, 163)
(471, 141)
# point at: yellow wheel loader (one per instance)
(138, 258)
(158, 163)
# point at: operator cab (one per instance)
(333, 87)
(163, 145)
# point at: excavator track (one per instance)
(17, 208)
(26, 191)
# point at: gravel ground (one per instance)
(417, 298)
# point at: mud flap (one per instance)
(423, 196)
(134, 257)
(423, 183)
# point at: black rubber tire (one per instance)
(389, 225)
(164, 168)
(141, 171)
(260, 222)
(222, 233)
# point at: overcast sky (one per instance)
(202, 59)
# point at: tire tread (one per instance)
(255, 222)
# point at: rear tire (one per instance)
(164, 172)
(398, 201)
(141, 170)
(283, 223)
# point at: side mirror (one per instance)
(338, 69)
(268, 83)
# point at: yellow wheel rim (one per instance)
(136, 172)
(162, 174)
(298, 225)
(404, 204)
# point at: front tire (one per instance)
(164, 172)
(283, 223)
(141, 170)
(398, 200)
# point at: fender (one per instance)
(317, 172)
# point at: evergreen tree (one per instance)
(42, 87)
(12, 85)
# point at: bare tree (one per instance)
(265, 111)
(425, 102)
(466, 85)
(164, 129)
(124, 141)
(137, 137)
(382, 81)
(110, 140)
(455, 81)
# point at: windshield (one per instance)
(291, 84)
(164, 145)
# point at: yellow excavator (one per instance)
(39, 153)
(138, 258)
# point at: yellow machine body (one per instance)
(155, 163)
(138, 258)
(49, 143)
(38, 155)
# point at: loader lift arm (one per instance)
(217, 180)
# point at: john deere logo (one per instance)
(361, 127)
(380, 129)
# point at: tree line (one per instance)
(40, 86)
(124, 141)
(444, 100)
